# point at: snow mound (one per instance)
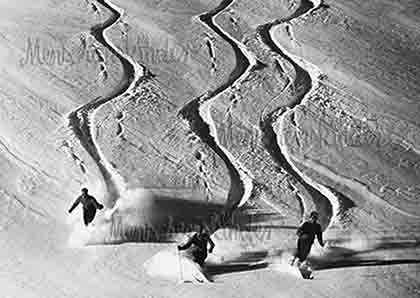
(79, 237)
(282, 264)
(172, 265)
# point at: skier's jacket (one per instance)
(88, 202)
(309, 230)
(200, 242)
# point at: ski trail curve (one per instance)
(337, 201)
(81, 119)
(307, 79)
(307, 75)
(197, 112)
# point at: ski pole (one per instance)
(181, 278)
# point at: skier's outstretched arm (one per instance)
(212, 245)
(97, 204)
(74, 205)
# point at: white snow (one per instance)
(46, 252)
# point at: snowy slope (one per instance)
(179, 112)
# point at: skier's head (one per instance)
(314, 216)
(84, 190)
(200, 228)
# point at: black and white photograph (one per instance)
(209, 149)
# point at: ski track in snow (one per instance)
(310, 75)
(206, 113)
(314, 74)
(203, 105)
(81, 119)
(357, 187)
(198, 111)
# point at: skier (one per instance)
(306, 233)
(89, 206)
(199, 240)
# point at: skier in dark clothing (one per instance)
(89, 206)
(199, 241)
(306, 233)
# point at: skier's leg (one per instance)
(93, 214)
(305, 249)
(85, 217)
(295, 254)
(299, 250)
(89, 215)
(199, 257)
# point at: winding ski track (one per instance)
(81, 119)
(304, 85)
(198, 115)
(329, 202)
(197, 112)
(307, 76)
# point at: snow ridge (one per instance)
(309, 74)
(198, 112)
(82, 119)
(206, 114)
